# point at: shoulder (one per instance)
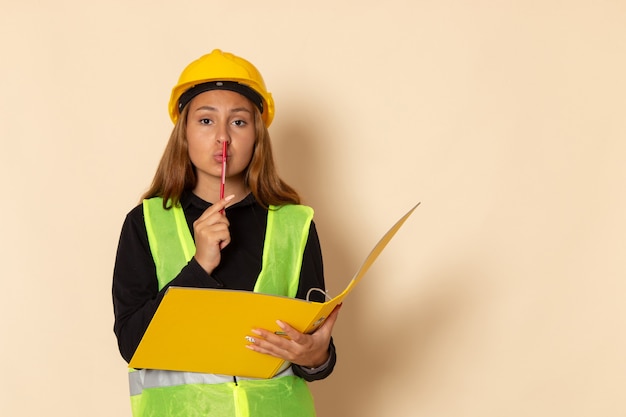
(133, 229)
(294, 208)
(136, 213)
(134, 218)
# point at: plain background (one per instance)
(502, 296)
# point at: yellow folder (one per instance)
(204, 330)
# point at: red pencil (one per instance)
(224, 156)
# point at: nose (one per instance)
(223, 135)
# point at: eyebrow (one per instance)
(235, 110)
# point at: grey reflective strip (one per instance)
(154, 378)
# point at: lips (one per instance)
(218, 157)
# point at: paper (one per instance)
(204, 330)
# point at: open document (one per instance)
(204, 330)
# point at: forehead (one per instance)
(221, 98)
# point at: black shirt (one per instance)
(135, 287)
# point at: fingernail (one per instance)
(250, 339)
(280, 324)
(230, 197)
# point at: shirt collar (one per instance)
(189, 199)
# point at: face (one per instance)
(216, 117)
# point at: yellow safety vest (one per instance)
(160, 393)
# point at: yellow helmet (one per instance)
(223, 71)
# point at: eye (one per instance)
(205, 121)
(240, 123)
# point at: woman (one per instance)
(221, 98)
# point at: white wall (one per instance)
(501, 296)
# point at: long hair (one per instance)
(175, 172)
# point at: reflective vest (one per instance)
(160, 393)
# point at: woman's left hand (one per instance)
(308, 350)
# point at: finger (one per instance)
(260, 349)
(325, 330)
(211, 234)
(216, 208)
(224, 242)
(278, 339)
(259, 344)
(287, 331)
(330, 321)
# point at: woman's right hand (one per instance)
(211, 235)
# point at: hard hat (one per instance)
(224, 71)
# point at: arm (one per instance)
(136, 296)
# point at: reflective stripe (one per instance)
(155, 378)
(241, 402)
(188, 245)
